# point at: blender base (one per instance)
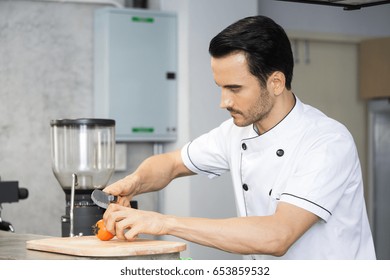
(84, 219)
(85, 214)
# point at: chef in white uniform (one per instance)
(296, 172)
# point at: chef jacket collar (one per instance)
(280, 131)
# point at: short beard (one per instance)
(256, 113)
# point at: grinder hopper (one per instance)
(83, 159)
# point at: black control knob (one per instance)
(23, 193)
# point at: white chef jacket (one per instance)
(308, 160)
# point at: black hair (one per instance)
(264, 42)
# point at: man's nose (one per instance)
(226, 100)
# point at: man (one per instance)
(296, 172)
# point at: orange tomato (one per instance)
(99, 229)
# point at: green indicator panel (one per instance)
(143, 129)
(143, 19)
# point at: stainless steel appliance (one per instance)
(83, 159)
(379, 174)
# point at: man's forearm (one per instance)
(271, 235)
(158, 171)
(235, 235)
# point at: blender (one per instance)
(83, 159)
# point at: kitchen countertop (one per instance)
(13, 247)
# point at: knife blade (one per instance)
(102, 199)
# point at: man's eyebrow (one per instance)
(232, 86)
(229, 86)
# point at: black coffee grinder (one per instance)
(83, 159)
(9, 193)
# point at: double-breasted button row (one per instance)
(279, 152)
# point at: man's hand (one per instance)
(125, 189)
(127, 223)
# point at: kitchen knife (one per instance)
(102, 199)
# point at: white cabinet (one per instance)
(135, 80)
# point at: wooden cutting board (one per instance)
(91, 246)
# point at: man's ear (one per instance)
(276, 83)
